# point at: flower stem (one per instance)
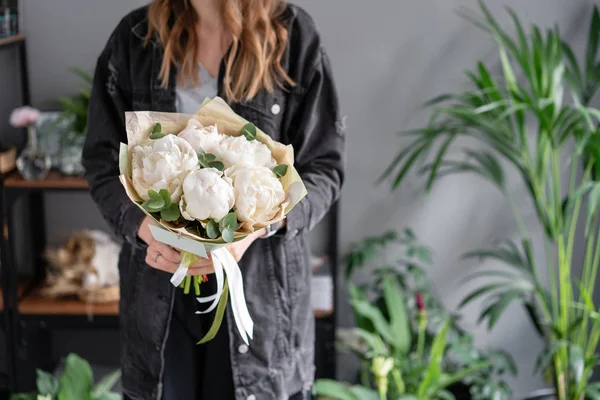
(197, 285)
(186, 287)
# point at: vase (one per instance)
(33, 164)
(70, 153)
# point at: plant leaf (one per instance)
(280, 170)
(164, 194)
(227, 235)
(170, 214)
(335, 390)
(155, 203)
(157, 132)
(229, 221)
(212, 229)
(216, 165)
(436, 355)
(577, 363)
(396, 309)
(209, 157)
(105, 384)
(249, 131)
(46, 383)
(76, 380)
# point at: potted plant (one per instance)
(76, 382)
(409, 345)
(536, 119)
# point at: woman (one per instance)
(266, 59)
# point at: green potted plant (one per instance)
(409, 345)
(75, 383)
(536, 119)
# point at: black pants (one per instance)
(198, 372)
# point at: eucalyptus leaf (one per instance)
(280, 170)
(164, 194)
(170, 214)
(229, 221)
(212, 229)
(249, 131)
(227, 235)
(157, 132)
(216, 165)
(209, 157)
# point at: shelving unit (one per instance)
(9, 289)
(26, 309)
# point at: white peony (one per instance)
(258, 193)
(237, 150)
(206, 138)
(206, 195)
(162, 164)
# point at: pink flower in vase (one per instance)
(22, 117)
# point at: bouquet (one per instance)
(208, 180)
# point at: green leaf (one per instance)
(164, 194)
(216, 165)
(227, 235)
(249, 131)
(396, 309)
(364, 393)
(364, 308)
(592, 47)
(105, 384)
(200, 153)
(495, 310)
(24, 396)
(280, 170)
(210, 157)
(335, 390)
(170, 214)
(157, 128)
(373, 341)
(592, 210)
(46, 383)
(576, 362)
(82, 74)
(212, 229)
(546, 356)
(155, 136)
(76, 380)
(155, 203)
(214, 328)
(229, 221)
(436, 356)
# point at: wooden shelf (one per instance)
(54, 181)
(12, 39)
(322, 313)
(36, 304)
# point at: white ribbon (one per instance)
(223, 260)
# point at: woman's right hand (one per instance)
(165, 257)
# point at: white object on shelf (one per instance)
(322, 292)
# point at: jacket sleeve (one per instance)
(105, 132)
(316, 131)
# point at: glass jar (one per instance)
(70, 153)
(33, 164)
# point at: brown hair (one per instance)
(254, 60)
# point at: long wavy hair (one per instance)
(254, 59)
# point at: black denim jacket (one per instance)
(277, 270)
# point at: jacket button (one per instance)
(276, 109)
(243, 349)
(251, 397)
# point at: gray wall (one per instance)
(388, 57)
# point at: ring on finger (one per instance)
(156, 257)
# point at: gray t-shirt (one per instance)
(190, 97)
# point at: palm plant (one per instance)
(524, 121)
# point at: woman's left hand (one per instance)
(237, 249)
